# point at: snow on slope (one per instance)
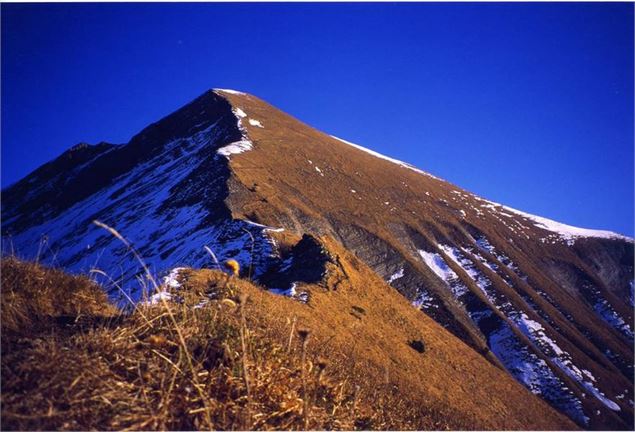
(242, 145)
(170, 281)
(236, 147)
(397, 275)
(484, 244)
(530, 328)
(567, 232)
(159, 208)
(437, 264)
(600, 305)
(564, 232)
(235, 92)
(604, 310)
(381, 156)
(518, 359)
(534, 373)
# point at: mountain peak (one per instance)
(229, 91)
(228, 176)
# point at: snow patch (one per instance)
(484, 244)
(159, 298)
(292, 292)
(604, 309)
(264, 227)
(236, 147)
(398, 275)
(566, 232)
(235, 92)
(288, 292)
(534, 373)
(171, 280)
(438, 265)
(257, 123)
(481, 280)
(534, 331)
(240, 146)
(424, 300)
(381, 156)
(490, 265)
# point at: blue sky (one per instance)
(530, 105)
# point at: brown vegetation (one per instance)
(314, 187)
(247, 360)
(33, 296)
(394, 212)
(132, 372)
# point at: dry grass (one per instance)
(113, 371)
(364, 330)
(246, 359)
(395, 211)
(33, 296)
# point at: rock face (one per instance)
(549, 303)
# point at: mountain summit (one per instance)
(549, 303)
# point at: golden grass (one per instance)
(133, 373)
(33, 295)
(247, 359)
(364, 330)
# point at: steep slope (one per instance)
(369, 331)
(129, 371)
(549, 303)
(167, 185)
(531, 294)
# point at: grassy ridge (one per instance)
(71, 361)
(247, 359)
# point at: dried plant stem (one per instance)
(226, 285)
(304, 335)
(291, 334)
(43, 241)
(165, 304)
(204, 400)
(354, 405)
(243, 343)
(134, 305)
(130, 247)
(213, 255)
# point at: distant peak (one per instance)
(79, 146)
(85, 145)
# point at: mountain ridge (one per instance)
(537, 298)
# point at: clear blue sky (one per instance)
(530, 105)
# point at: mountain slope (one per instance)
(128, 371)
(367, 328)
(549, 303)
